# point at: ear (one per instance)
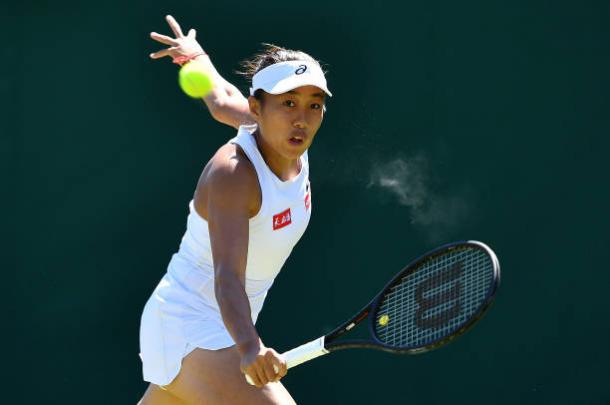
(255, 107)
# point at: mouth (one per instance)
(296, 140)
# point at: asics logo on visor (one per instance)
(302, 69)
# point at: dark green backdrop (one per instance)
(499, 111)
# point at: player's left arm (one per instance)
(225, 102)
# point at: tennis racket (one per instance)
(436, 298)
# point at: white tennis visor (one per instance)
(285, 76)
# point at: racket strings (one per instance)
(435, 300)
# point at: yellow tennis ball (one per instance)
(194, 80)
(383, 321)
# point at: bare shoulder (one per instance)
(229, 178)
(230, 168)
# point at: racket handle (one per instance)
(301, 354)
(305, 352)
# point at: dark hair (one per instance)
(270, 55)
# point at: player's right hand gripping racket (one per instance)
(430, 302)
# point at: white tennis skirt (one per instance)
(181, 315)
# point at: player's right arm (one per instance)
(225, 102)
(228, 195)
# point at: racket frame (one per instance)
(370, 310)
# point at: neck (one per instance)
(284, 169)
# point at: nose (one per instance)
(300, 120)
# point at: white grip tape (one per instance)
(305, 352)
(300, 354)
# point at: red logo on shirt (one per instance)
(282, 219)
(307, 197)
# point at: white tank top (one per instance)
(273, 231)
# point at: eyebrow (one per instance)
(319, 95)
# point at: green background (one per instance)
(499, 109)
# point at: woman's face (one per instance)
(289, 121)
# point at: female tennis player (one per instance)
(251, 206)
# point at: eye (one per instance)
(289, 103)
(316, 106)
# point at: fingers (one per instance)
(251, 376)
(262, 374)
(258, 377)
(192, 33)
(269, 371)
(267, 366)
(173, 24)
(255, 379)
(255, 374)
(164, 39)
(282, 368)
(162, 53)
(275, 366)
(279, 366)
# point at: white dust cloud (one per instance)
(408, 180)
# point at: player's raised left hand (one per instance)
(181, 45)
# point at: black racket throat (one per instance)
(331, 341)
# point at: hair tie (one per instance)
(182, 59)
